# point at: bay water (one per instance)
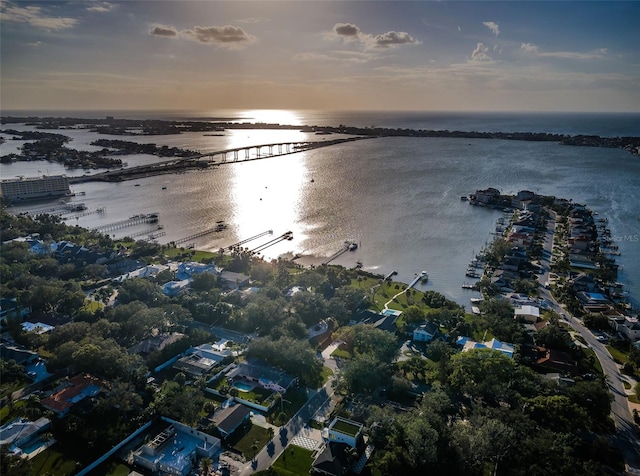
(398, 198)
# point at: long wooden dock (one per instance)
(219, 227)
(134, 220)
(285, 236)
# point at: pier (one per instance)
(348, 246)
(247, 240)
(285, 236)
(145, 232)
(390, 275)
(134, 220)
(219, 227)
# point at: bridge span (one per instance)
(209, 159)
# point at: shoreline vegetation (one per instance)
(51, 146)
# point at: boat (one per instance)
(164, 188)
(476, 300)
(424, 277)
(468, 286)
(464, 198)
(351, 245)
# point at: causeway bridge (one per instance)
(209, 159)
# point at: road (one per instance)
(321, 401)
(626, 437)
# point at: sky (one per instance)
(322, 55)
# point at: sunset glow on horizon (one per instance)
(344, 55)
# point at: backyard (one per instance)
(294, 461)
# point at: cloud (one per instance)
(349, 32)
(34, 44)
(102, 7)
(393, 38)
(35, 17)
(346, 30)
(339, 56)
(493, 26)
(573, 55)
(228, 35)
(529, 48)
(459, 29)
(480, 53)
(164, 31)
(253, 20)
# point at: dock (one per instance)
(237, 245)
(288, 236)
(219, 227)
(348, 246)
(390, 275)
(134, 220)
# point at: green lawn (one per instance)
(294, 461)
(292, 402)
(590, 357)
(244, 438)
(619, 356)
(7, 414)
(326, 374)
(346, 428)
(343, 354)
(52, 462)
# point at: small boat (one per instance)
(351, 245)
(464, 198)
(164, 188)
(424, 277)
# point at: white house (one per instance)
(494, 344)
(528, 314)
(345, 431)
(425, 332)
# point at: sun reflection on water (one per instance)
(267, 193)
(271, 116)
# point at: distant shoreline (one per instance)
(113, 126)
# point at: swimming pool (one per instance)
(243, 386)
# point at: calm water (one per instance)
(398, 198)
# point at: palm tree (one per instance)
(254, 447)
(205, 466)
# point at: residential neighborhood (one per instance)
(131, 358)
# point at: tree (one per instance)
(205, 466)
(363, 374)
(482, 440)
(484, 374)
